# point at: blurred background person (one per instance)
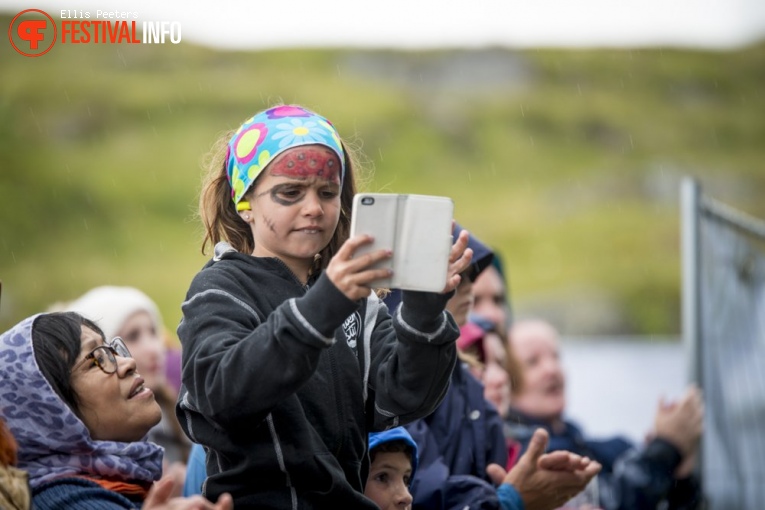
(490, 361)
(463, 437)
(130, 314)
(491, 299)
(659, 473)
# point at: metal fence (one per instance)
(723, 270)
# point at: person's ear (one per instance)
(244, 210)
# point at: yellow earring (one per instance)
(243, 206)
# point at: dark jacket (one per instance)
(456, 443)
(631, 479)
(282, 382)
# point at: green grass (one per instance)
(571, 171)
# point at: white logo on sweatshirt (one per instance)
(351, 328)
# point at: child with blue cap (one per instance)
(393, 463)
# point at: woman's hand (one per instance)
(165, 495)
(546, 481)
(682, 423)
(459, 260)
(353, 275)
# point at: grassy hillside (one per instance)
(566, 161)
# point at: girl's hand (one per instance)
(459, 260)
(353, 275)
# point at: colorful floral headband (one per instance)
(267, 134)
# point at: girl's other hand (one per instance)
(353, 275)
(459, 260)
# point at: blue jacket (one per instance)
(631, 479)
(196, 471)
(456, 443)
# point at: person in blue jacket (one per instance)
(464, 436)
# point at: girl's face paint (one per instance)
(296, 206)
(307, 161)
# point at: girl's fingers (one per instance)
(451, 283)
(364, 278)
(357, 285)
(361, 262)
(463, 262)
(459, 246)
(348, 262)
(350, 246)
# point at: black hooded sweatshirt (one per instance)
(283, 381)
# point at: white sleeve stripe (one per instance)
(370, 319)
(427, 336)
(186, 406)
(307, 325)
(280, 458)
(227, 295)
(388, 414)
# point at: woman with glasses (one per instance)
(80, 413)
(130, 314)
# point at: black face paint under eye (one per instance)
(279, 188)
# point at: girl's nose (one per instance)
(312, 205)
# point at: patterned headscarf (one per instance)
(269, 133)
(53, 441)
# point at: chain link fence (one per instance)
(724, 333)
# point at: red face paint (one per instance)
(307, 161)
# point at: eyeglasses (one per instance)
(105, 355)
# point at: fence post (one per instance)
(690, 209)
(691, 293)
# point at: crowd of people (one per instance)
(298, 385)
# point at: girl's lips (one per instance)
(310, 230)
